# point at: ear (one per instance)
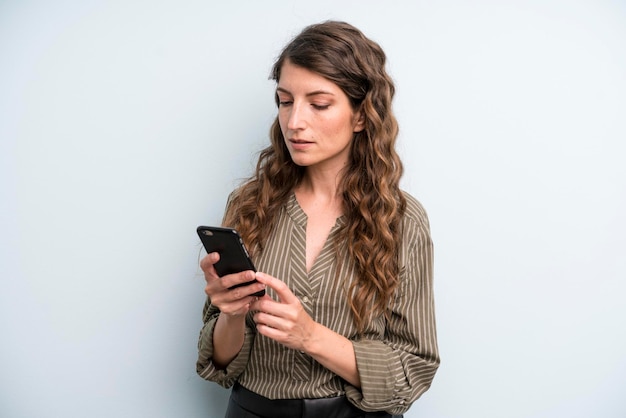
(359, 121)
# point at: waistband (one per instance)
(335, 407)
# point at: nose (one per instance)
(296, 119)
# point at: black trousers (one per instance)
(246, 404)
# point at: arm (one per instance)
(399, 368)
(225, 340)
(335, 352)
(205, 367)
(228, 337)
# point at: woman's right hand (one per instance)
(232, 302)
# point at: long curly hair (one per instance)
(372, 201)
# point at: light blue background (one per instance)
(124, 125)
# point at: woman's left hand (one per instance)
(285, 320)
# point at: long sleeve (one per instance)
(396, 370)
(205, 367)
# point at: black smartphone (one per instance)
(234, 257)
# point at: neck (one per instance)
(322, 184)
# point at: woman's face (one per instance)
(316, 118)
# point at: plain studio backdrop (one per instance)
(125, 124)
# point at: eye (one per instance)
(320, 107)
(283, 103)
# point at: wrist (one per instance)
(313, 344)
(228, 338)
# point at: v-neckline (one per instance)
(300, 217)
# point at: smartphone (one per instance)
(234, 257)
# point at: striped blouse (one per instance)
(396, 359)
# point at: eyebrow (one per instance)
(312, 93)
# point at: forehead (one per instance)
(295, 79)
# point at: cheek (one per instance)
(282, 123)
(339, 128)
(284, 113)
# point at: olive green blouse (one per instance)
(396, 359)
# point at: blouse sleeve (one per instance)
(398, 369)
(205, 367)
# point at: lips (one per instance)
(299, 144)
(299, 141)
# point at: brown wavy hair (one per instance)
(372, 201)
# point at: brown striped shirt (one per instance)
(396, 359)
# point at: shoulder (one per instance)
(415, 215)
(416, 245)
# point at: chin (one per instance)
(301, 162)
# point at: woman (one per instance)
(346, 328)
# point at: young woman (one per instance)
(346, 328)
